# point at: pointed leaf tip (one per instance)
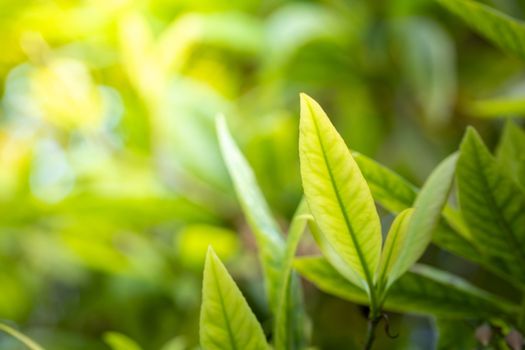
(338, 195)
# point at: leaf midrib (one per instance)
(500, 220)
(383, 277)
(223, 307)
(342, 205)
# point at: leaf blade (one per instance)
(504, 31)
(330, 178)
(288, 330)
(423, 290)
(392, 250)
(269, 238)
(226, 320)
(492, 204)
(427, 212)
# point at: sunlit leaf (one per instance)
(504, 31)
(337, 194)
(269, 237)
(492, 204)
(393, 249)
(119, 341)
(408, 243)
(20, 337)
(226, 321)
(423, 290)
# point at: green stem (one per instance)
(373, 321)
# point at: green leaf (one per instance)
(226, 321)
(408, 243)
(510, 153)
(427, 57)
(423, 290)
(389, 189)
(288, 328)
(492, 204)
(331, 255)
(395, 194)
(455, 334)
(119, 341)
(498, 107)
(393, 249)
(337, 194)
(267, 233)
(20, 337)
(504, 31)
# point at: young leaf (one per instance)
(504, 31)
(267, 233)
(288, 328)
(226, 321)
(410, 241)
(119, 341)
(396, 194)
(393, 249)
(20, 337)
(423, 290)
(510, 153)
(492, 204)
(337, 194)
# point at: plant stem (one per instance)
(373, 321)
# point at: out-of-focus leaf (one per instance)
(192, 242)
(492, 204)
(226, 319)
(497, 107)
(119, 341)
(510, 153)
(455, 334)
(289, 320)
(337, 193)
(21, 337)
(295, 25)
(427, 58)
(269, 237)
(423, 290)
(407, 246)
(504, 31)
(177, 343)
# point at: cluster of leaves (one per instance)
(363, 270)
(340, 190)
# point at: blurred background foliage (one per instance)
(112, 185)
